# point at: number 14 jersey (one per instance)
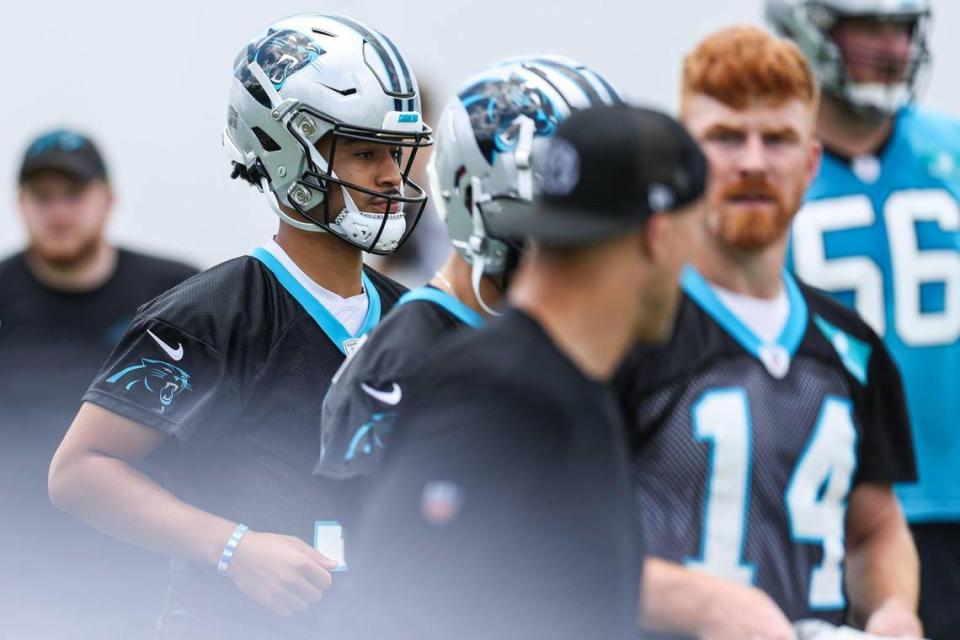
(746, 452)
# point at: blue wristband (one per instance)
(230, 549)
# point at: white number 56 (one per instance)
(911, 266)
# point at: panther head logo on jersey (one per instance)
(494, 107)
(162, 379)
(280, 54)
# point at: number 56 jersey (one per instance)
(882, 234)
(746, 452)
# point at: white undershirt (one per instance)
(765, 317)
(350, 312)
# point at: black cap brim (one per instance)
(563, 226)
(70, 164)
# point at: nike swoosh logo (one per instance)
(176, 354)
(387, 397)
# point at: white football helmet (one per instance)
(809, 22)
(488, 138)
(309, 76)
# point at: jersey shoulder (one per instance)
(154, 268)
(232, 305)
(925, 125)
(404, 338)
(11, 266)
(822, 305)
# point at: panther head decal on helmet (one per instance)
(488, 138)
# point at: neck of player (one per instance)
(454, 278)
(849, 134)
(751, 273)
(331, 262)
(84, 273)
(588, 314)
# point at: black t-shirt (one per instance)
(366, 394)
(745, 453)
(234, 363)
(51, 345)
(502, 508)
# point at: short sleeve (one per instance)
(886, 449)
(161, 376)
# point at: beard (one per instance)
(752, 228)
(66, 256)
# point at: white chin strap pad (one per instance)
(361, 227)
(886, 98)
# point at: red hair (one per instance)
(740, 64)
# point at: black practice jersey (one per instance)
(365, 396)
(502, 508)
(51, 345)
(745, 453)
(234, 363)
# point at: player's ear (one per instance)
(813, 164)
(653, 238)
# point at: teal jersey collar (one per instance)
(337, 333)
(452, 305)
(790, 338)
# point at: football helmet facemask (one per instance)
(809, 24)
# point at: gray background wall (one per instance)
(150, 81)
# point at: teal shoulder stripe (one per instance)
(452, 305)
(337, 333)
(854, 353)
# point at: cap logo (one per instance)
(64, 140)
(561, 171)
(659, 197)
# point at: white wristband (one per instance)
(230, 549)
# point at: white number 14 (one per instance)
(814, 500)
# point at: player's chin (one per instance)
(753, 228)
(63, 252)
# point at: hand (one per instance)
(739, 612)
(894, 619)
(282, 573)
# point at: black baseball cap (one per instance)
(607, 170)
(65, 151)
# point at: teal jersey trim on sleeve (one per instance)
(452, 305)
(855, 354)
(790, 338)
(337, 333)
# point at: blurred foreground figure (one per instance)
(881, 231)
(488, 143)
(768, 432)
(503, 509)
(64, 303)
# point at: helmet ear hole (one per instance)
(268, 143)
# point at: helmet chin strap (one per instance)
(522, 158)
(477, 244)
(288, 219)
